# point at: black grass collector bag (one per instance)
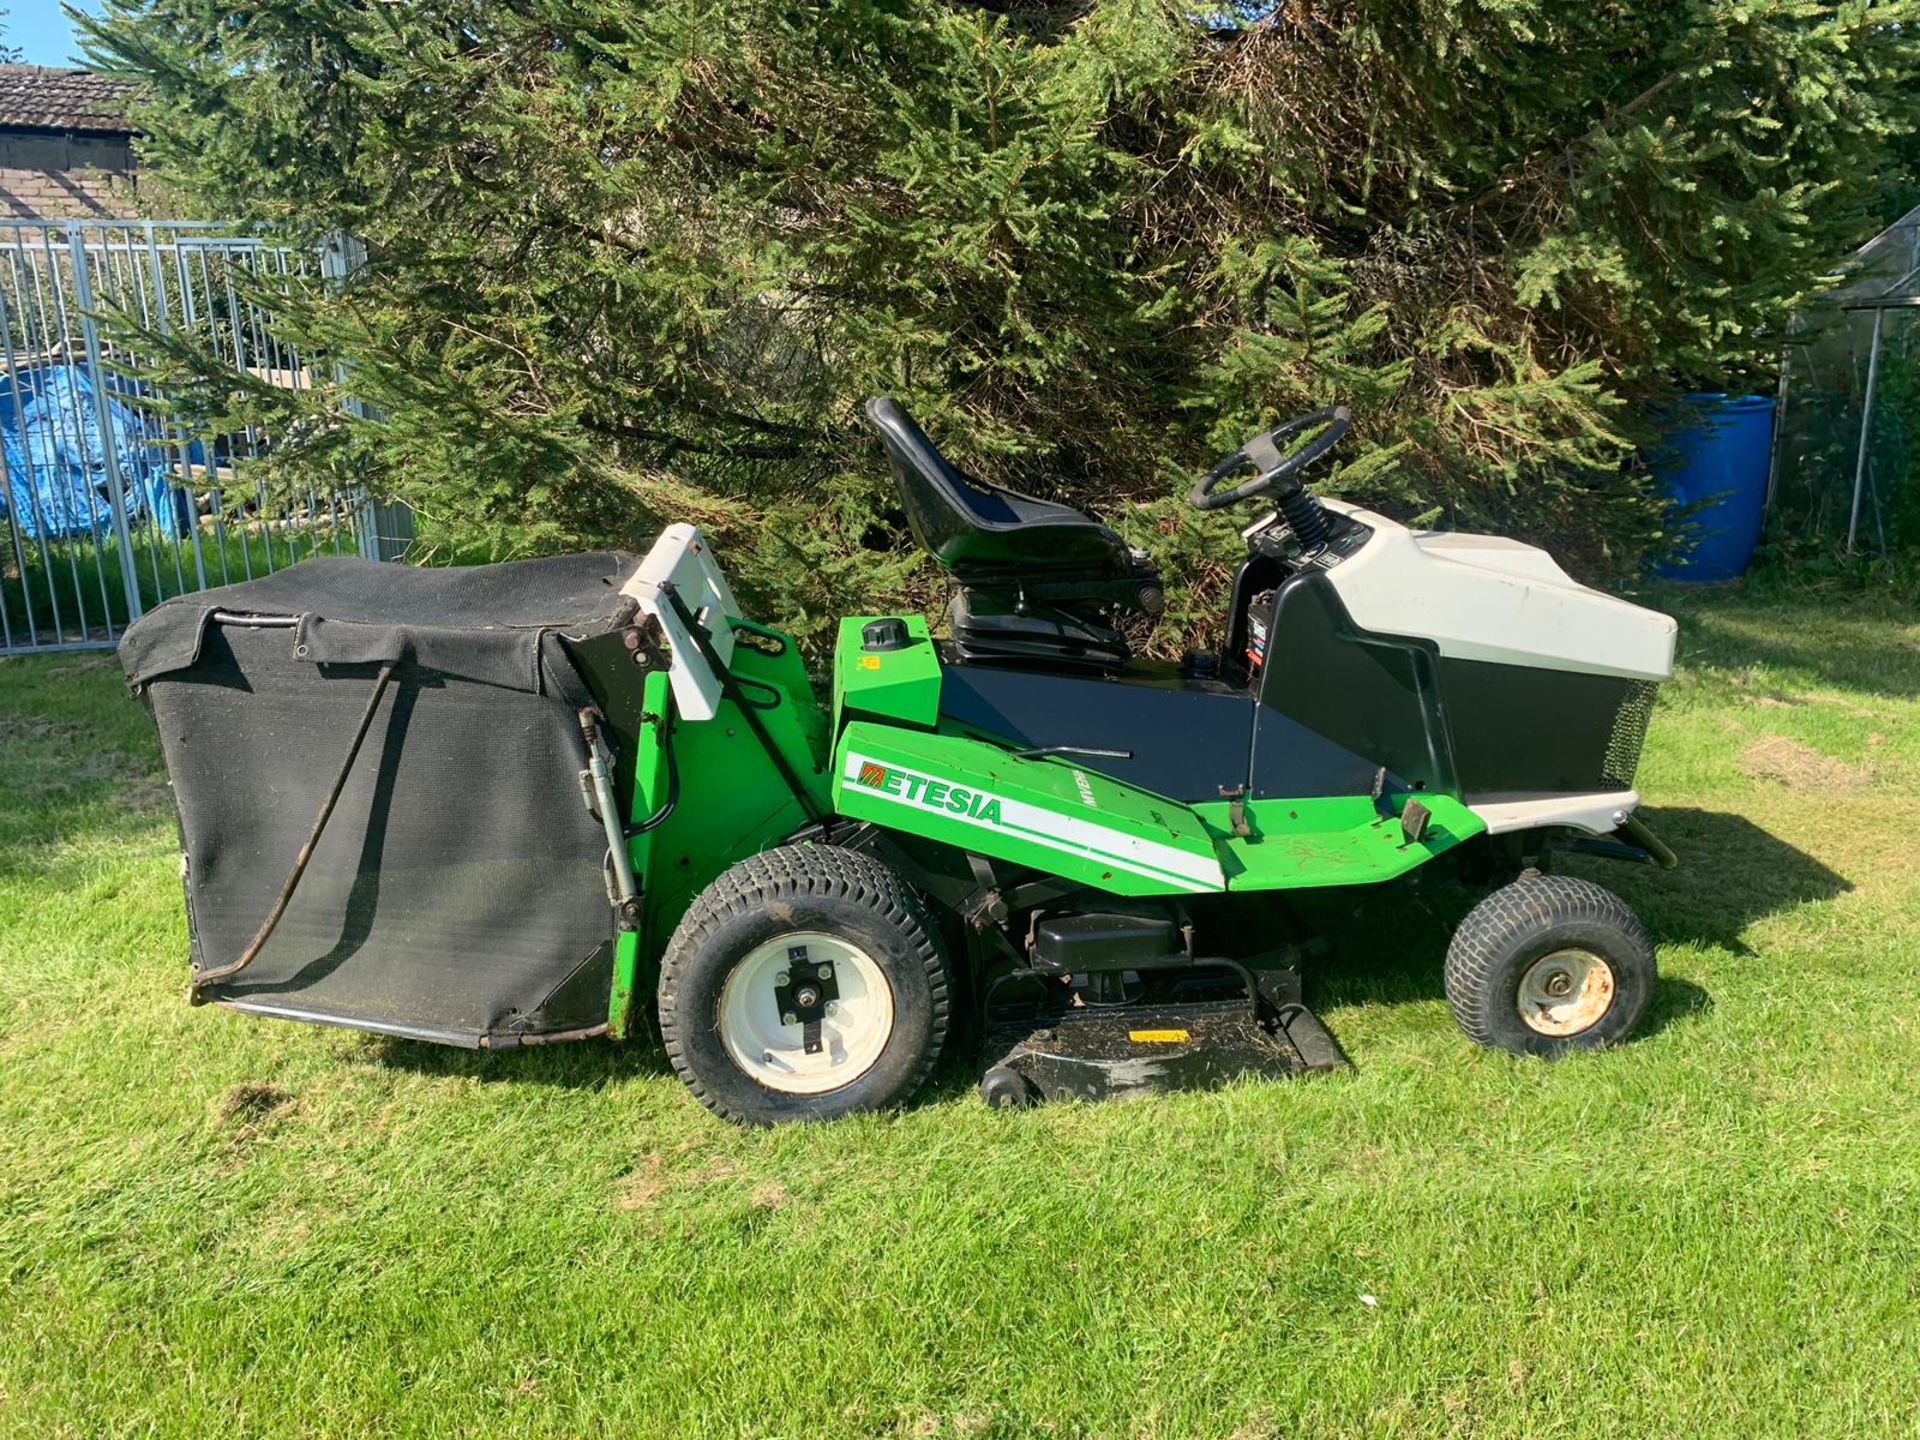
(423, 725)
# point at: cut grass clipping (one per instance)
(211, 1224)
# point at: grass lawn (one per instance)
(211, 1224)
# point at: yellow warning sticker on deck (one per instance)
(1157, 1037)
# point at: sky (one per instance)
(41, 30)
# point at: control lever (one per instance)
(1037, 751)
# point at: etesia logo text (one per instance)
(934, 794)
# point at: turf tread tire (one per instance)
(1517, 924)
(833, 885)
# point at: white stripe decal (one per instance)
(1066, 833)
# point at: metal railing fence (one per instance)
(107, 505)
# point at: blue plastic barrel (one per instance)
(1719, 455)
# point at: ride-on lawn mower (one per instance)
(497, 806)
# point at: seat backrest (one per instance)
(966, 526)
(943, 510)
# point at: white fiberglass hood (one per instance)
(1487, 598)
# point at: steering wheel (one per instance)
(1263, 454)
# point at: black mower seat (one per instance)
(981, 533)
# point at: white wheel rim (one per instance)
(853, 1032)
(1566, 992)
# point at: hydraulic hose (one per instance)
(672, 800)
(730, 685)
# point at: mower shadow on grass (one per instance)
(954, 1080)
(591, 1064)
(584, 1065)
(1416, 979)
(1732, 874)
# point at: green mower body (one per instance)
(883, 757)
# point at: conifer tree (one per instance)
(632, 262)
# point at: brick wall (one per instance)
(65, 194)
(66, 177)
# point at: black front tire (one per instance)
(791, 890)
(1542, 932)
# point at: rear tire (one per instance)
(723, 1022)
(1548, 965)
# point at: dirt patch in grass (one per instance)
(655, 1175)
(46, 731)
(77, 761)
(644, 1185)
(141, 794)
(1798, 766)
(248, 1103)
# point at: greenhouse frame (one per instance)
(1846, 458)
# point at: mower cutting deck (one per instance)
(527, 803)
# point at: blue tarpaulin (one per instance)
(56, 458)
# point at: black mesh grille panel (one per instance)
(1630, 723)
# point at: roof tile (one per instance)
(40, 97)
